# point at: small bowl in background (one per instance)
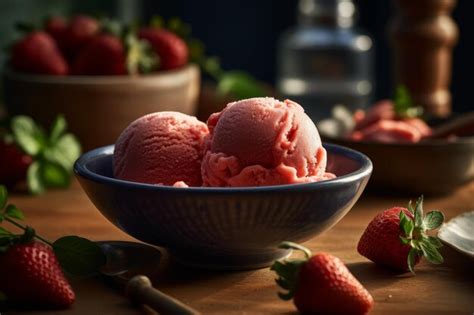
(98, 108)
(225, 228)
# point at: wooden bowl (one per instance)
(428, 167)
(99, 108)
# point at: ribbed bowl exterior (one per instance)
(226, 228)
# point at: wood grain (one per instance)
(444, 289)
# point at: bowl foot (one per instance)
(228, 261)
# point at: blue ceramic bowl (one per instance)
(225, 228)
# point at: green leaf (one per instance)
(434, 241)
(431, 253)
(58, 128)
(34, 179)
(240, 85)
(406, 225)
(419, 212)
(410, 207)
(79, 256)
(404, 105)
(3, 196)
(411, 259)
(404, 240)
(13, 212)
(65, 152)
(433, 219)
(54, 175)
(27, 135)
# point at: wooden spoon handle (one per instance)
(461, 126)
(140, 290)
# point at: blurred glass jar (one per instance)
(325, 60)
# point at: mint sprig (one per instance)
(77, 256)
(413, 233)
(403, 104)
(53, 154)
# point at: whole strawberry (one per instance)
(38, 53)
(14, 164)
(321, 284)
(56, 27)
(104, 55)
(31, 274)
(171, 49)
(78, 33)
(397, 237)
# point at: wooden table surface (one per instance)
(442, 289)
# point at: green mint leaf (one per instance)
(65, 152)
(34, 179)
(58, 128)
(433, 220)
(240, 85)
(419, 212)
(431, 253)
(79, 256)
(434, 241)
(412, 254)
(404, 105)
(13, 212)
(27, 134)
(3, 196)
(406, 225)
(54, 175)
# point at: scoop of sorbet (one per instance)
(163, 148)
(262, 141)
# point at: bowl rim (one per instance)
(95, 80)
(365, 170)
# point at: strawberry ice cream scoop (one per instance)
(163, 148)
(262, 141)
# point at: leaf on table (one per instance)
(27, 134)
(79, 256)
(34, 179)
(58, 128)
(13, 212)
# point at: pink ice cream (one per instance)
(163, 148)
(262, 141)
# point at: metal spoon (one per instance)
(129, 263)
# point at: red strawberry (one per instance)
(104, 55)
(13, 164)
(56, 27)
(38, 53)
(80, 31)
(397, 238)
(171, 49)
(30, 274)
(321, 284)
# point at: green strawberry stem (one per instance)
(413, 233)
(288, 270)
(24, 228)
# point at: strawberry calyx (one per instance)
(140, 57)
(288, 270)
(413, 232)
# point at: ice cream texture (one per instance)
(262, 141)
(164, 148)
